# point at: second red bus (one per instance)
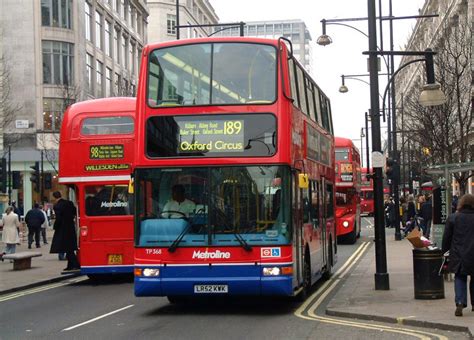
(95, 161)
(348, 221)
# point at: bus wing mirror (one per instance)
(303, 181)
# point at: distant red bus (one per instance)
(348, 174)
(234, 171)
(95, 162)
(367, 193)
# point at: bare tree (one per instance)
(443, 132)
(50, 145)
(8, 108)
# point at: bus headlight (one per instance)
(272, 271)
(345, 224)
(151, 272)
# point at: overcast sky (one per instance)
(344, 56)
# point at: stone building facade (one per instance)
(58, 52)
(436, 33)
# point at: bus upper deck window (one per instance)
(107, 126)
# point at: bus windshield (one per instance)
(212, 74)
(210, 205)
(342, 154)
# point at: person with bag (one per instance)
(10, 236)
(458, 238)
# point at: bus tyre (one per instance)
(306, 289)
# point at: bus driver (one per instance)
(178, 206)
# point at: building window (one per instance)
(98, 30)
(108, 82)
(108, 38)
(133, 17)
(99, 72)
(116, 45)
(131, 57)
(171, 23)
(122, 9)
(58, 63)
(56, 13)
(123, 56)
(117, 85)
(89, 72)
(53, 109)
(88, 22)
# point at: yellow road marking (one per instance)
(331, 284)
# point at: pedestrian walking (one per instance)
(34, 219)
(45, 224)
(64, 238)
(426, 213)
(10, 236)
(458, 238)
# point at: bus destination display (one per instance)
(106, 151)
(211, 136)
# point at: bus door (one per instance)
(73, 197)
(323, 219)
(317, 246)
(298, 244)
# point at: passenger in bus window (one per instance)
(178, 206)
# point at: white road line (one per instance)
(97, 318)
(370, 224)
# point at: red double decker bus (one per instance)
(95, 162)
(234, 171)
(367, 193)
(348, 180)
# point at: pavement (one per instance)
(356, 298)
(44, 269)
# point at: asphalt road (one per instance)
(88, 310)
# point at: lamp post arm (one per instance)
(393, 77)
(327, 22)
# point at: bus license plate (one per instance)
(115, 258)
(207, 289)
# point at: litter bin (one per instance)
(429, 284)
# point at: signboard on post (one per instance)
(440, 215)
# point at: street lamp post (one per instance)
(382, 281)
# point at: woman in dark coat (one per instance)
(458, 238)
(64, 239)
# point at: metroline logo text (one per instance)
(211, 254)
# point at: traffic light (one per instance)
(35, 177)
(47, 180)
(16, 180)
(391, 168)
(3, 175)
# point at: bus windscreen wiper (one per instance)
(242, 242)
(176, 242)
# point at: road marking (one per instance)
(41, 289)
(326, 289)
(97, 318)
(369, 222)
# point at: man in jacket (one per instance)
(458, 238)
(64, 238)
(34, 219)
